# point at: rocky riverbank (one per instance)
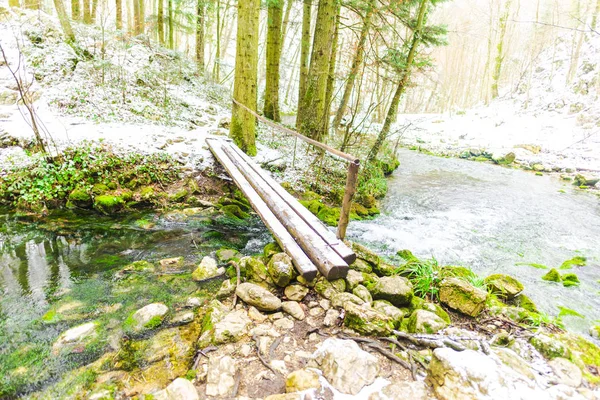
(272, 335)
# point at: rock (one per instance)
(570, 279)
(227, 289)
(295, 292)
(225, 255)
(270, 250)
(395, 289)
(285, 396)
(179, 389)
(256, 271)
(514, 361)
(294, 309)
(415, 390)
(338, 299)
(331, 318)
(549, 347)
(171, 263)
(284, 324)
(503, 159)
(258, 297)
(394, 313)
(256, 315)
(462, 296)
(422, 321)
(363, 293)
(367, 321)
(586, 180)
(302, 379)
(553, 276)
(354, 278)
(361, 266)
(148, 317)
(328, 288)
(504, 286)
(567, 373)
(525, 302)
(280, 269)
(193, 302)
(595, 332)
(182, 318)
(345, 365)
(220, 380)
(232, 327)
(207, 270)
(365, 254)
(75, 337)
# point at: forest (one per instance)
(299, 199)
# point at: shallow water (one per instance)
(490, 218)
(71, 259)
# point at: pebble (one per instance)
(256, 315)
(284, 324)
(316, 312)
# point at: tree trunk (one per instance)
(160, 21)
(170, 18)
(500, 50)
(356, 65)
(33, 4)
(304, 54)
(94, 8)
(142, 11)
(243, 124)
(87, 18)
(275, 14)
(405, 76)
(64, 21)
(119, 14)
(136, 17)
(286, 20)
(331, 74)
(75, 10)
(312, 109)
(13, 3)
(595, 16)
(200, 37)
(217, 67)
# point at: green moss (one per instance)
(534, 265)
(575, 261)
(154, 322)
(270, 249)
(525, 302)
(329, 215)
(99, 189)
(108, 204)
(406, 255)
(79, 195)
(234, 212)
(146, 193)
(583, 353)
(480, 159)
(570, 279)
(553, 276)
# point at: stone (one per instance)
(171, 263)
(595, 332)
(148, 317)
(295, 292)
(258, 297)
(331, 318)
(294, 309)
(285, 396)
(280, 269)
(182, 318)
(220, 380)
(226, 290)
(586, 180)
(567, 373)
(232, 327)
(365, 254)
(328, 288)
(345, 365)
(256, 315)
(354, 278)
(549, 347)
(256, 271)
(316, 311)
(179, 389)
(74, 337)
(225, 255)
(338, 299)
(503, 159)
(284, 324)
(363, 293)
(302, 379)
(395, 289)
(325, 304)
(361, 266)
(462, 296)
(366, 320)
(504, 286)
(422, 321)
(207, 269)
(394, 313)
(413, 390)
(193, 302)
(552, 276)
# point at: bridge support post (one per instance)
(348, 196)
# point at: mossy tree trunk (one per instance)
(75, 10)
(64, 21)
(275, 15)
(200, 36)
(243, 124)
(171, 24)
(404, 78)
(331, 74)
(87, 17)
(500, 49)
(13, 3)
(304, 54)
(217, 65)
(357, 62)
(94, 9)
(160, 21)
(136, 17)
(286, 20)
(312, 108)
(119, 14)
(33, 4)
(142, 17)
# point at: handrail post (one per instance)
(347, 202)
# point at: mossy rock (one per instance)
(226, 201)
(234, 212)
(552, 276)
(570, 279)
(407, 255)
(578, 261)
(179, 196)
(395, 289)
(583, 353)
(254, 269)
(525, 302)
(550, 347)
(99, 189)
(365, 254)
(146, 193)
(462, 296)
(329, 215)
(80, 198)
(423, 321)
(366, 320)
(457, 271)
(314, 206)
(108, 204)
(389, 165)
(360, 210)
(226, 255)
(271, 249)
(504, 286)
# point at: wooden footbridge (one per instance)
(310, 244)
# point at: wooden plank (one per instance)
(315, 223)
(328, 262)
(303, 264)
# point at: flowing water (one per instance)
(491, 218)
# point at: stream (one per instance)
(493, 220)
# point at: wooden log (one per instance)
(303, 264)
(315, 223)
(347, 202)
(328, 262)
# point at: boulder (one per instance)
(294, 309)
(363, 293)
(258, 297)
(395, 289)
(413, 390)
(225, 255)
(422, 321)
(295, 292)
(345, 365)
(504, 286)
(207, 269)
(394, 313)
(220, 381)
(586, 180)
(148, 317)
(227, 289)
(462, 296)
(75, 337)
(280, 269)
(302, 379)
(549, 347)
(503, 159)
(354, 278)
(232, 327)
(566, 372)
(256, 271)
(360, 265)
(366, 320)
(171, 263)
(339, 299)
(179, 389)
(365, 254)
(328, 288)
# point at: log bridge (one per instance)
(310, 244)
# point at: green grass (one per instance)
(425, 277)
